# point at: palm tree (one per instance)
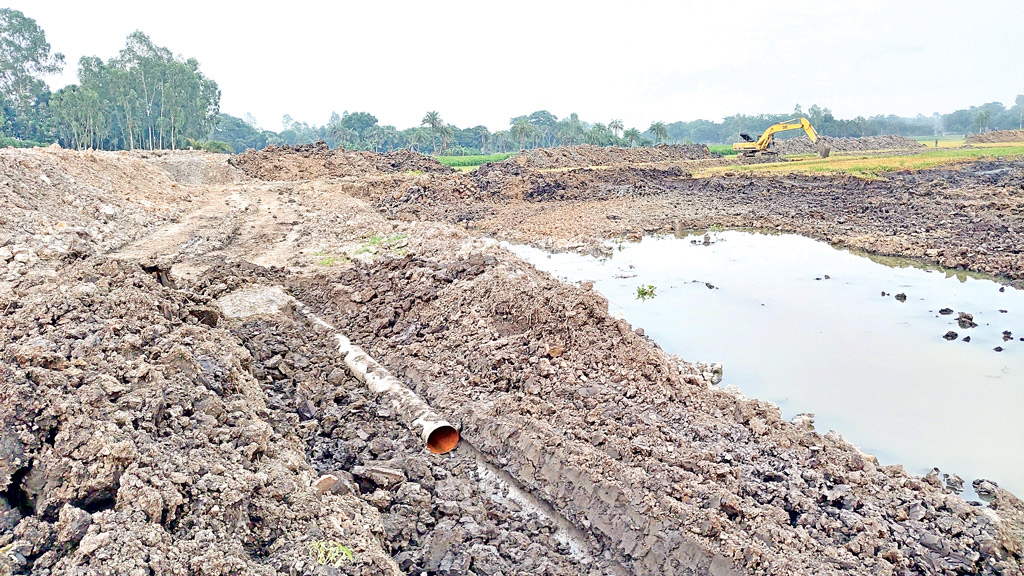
(447, 134)
(433, 120)
(631, 135)
(659, 131)
(520, 130)
(615, 126)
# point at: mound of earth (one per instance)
(996, 136)
(589, 155)
(134, 438)
(318, 161)
(803, 145)
(58, 202)
(576, 183)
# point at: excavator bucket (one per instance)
(823, 149)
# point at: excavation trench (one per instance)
(439, 436)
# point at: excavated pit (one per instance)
(147, 426)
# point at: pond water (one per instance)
(805, 325)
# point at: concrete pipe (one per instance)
(439, 435)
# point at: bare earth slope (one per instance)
(144, 431)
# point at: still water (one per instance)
(804, 325)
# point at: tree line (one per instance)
(148, 98)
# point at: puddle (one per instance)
(805, 326)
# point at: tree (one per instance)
(24, 57)
(981, 119)
(447, 133)
(659, 131)
(520, 130)
(632, 136)
(615, 126)
(359, 122)
(434, 122)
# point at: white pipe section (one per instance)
(440, 436)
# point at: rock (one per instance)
(486, 560)
(72, 525)
(1007, 335)
(337, 376)
(951, 335)
(966, 321)
(555, 351)
(380, 475)
(901, 297)
(946, 311)
(966, 338)
(338, 482)
(985, 488)
(998, 349)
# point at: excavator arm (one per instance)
(750, 147)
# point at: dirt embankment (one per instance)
(996, 136)
(587, 155)
(229, 444)
(317, 161)
(135, 439)
(668, 474)
(803, 145)
(57, 203)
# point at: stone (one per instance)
(966, 321)
(380, 475)
(951, 335)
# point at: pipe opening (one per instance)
(442, 440)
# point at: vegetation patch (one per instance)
(329, 553)
(472, 161)
(872, 167)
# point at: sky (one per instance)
(486, 62)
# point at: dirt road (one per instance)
(143, 428)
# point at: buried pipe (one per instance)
(439, 435)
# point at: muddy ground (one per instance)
(146, 427)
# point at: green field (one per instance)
(472, 161)
(871, 166)
(723, 149)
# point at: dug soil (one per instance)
(149, 424)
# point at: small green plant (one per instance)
(328, 261)
(645, 292)
(329, 552)
(374, 241)
(717, 228)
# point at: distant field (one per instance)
(874, 167)
(472, 161)
(944, 141)
(723, 149)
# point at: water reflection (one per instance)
(807, 326)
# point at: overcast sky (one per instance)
(485, 62)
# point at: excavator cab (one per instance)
(746, 137)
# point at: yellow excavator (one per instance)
(761, 146)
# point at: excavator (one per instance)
(762, 146)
